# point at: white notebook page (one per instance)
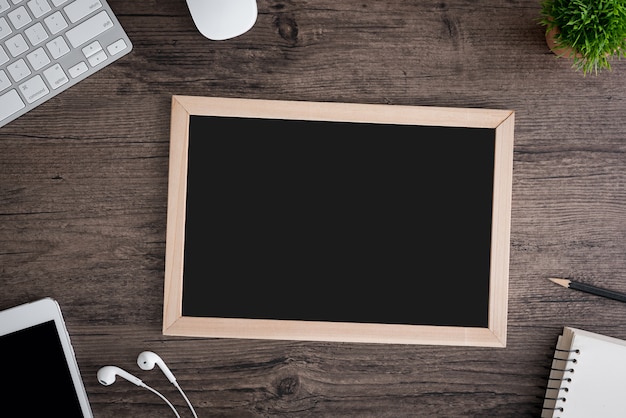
(591, 381)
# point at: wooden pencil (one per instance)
(594, 290)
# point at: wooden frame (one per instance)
(494, 335)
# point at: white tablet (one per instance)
(39, 370)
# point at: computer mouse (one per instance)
(223, 19)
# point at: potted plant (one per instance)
(591, 32)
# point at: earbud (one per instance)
(106, 376)
(146, 361)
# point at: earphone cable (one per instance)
(162, 397)
(186, 399)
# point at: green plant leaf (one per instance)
(595, 29)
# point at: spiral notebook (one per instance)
(587, 377)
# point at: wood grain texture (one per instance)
(83, 197)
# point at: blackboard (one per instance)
(338, 222)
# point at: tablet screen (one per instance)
(36, 375)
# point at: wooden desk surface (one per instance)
(83, 195)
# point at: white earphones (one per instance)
(146, 361)
(106, 376)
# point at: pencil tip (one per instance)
(562, 282)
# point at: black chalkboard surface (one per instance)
(342, 226)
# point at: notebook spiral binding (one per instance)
(557, 380)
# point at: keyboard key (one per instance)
(78, 69)
(117, 47)
(19, 17)
(38, 59)
(4, 5)
(89, 29)
(55, 23)
(5, 29)
(97, 58)
(58, 47)
(10, 103)
(55, 76)
(34, 89)
(81, 8)
(91, 49)
(16, 45)
(36, 34)
(39, 7)
(19, 70)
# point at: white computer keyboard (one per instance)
(47, 46)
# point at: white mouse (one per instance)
(223, 19)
